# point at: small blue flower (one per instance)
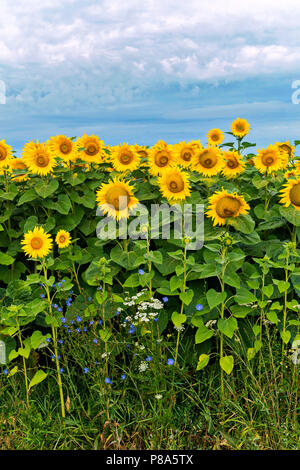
(91, 322)
(68, 330)
(199, 307)
(95, 340)
(59, 309)
(108, 381)
(100, 322)
(42, 296)
(78, 330)
(5, 372)
(72, 322)
(123, 377)
(132, 329)
(55, 305)
(141, 272)
(63, 320)
(155, 319)
(78, 318)
(170, 362)
(85, 328)
(165, 299)
(59, 284)
(85, 370)
(149, 358)
(65, 326)
(89, 299)
(68, 304)
(70, 299)
(117, 313)
(99, 288)
(60, 341)
(48, 340)
(53, 356)
(63, 280)
(61, 370)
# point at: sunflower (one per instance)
(184, 153)
(174, 185)
(268, 160)
(286, 148)
(291, 193)
(161, 158)
(215, 136)
(63, 147)
(240, 127)
(141, 150)
(63, 239)
(234, 164)
(5, 154)
(224, 205)
(92, 146)
(291, 174)
(116, 198)
(38, 158)
(37, 243)
(18, 164)
(208, 161)
(125, 158)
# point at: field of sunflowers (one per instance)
(142, 343)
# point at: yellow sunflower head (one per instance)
(63, 147)
(125, 158)
(63, 239)
(215, 137)
(161, 158)
(116, 198)
(18, 164)
(174, 185)
(223, 205)
(268, 160)
(141, 150)
(184, 153)
(286, 148)
(37, 243)
(90, 148)
(208, 161)
(291, 193)
(38, 159)
(240, 127)
(5, 154)
(234, 164)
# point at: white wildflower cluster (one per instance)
(145, 310)
(143, 366)
(210, 323)
(179, 328)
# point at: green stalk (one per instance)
(24, 365)
(54, 338)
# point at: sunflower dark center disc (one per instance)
(117, 197)
(176, 186)
(295, 195)
(36, 243)
(227, 207)
(42, 160)
(161, 160)
(92, 149)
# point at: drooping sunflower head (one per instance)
(223, 205)
(63, 239)
(286, 149)
(90, 148)
(116, 198)
(268, 160)
(38, 158)
(5, 154)
(141, 150)
(240, 127)
(174, 185)
(184, 153)
(208, 161)
(161, 158)
(37, 243)
(18, 164)
(233, 164)
(125, 158)
(291, 193)
(215, 137)
(63, 147)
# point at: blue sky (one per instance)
(139, 71)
